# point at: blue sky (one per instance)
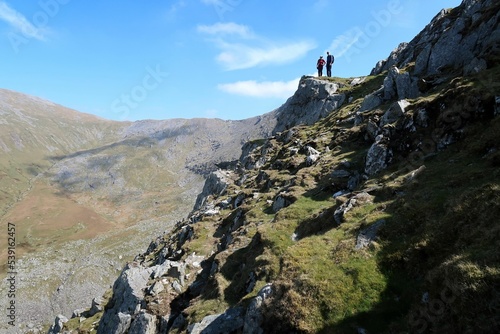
(161, 59)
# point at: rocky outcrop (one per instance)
(215, 184)
(371, 101)
(397, 86)
(356, 200)
(464, 39)
(313, 100)
(394, 113)
(127, 300)
(312, 155)
(58, 325)
(229, 322)
(144, 323)
(378, 156)
(254, 315)
(368, 235)
(400, 85)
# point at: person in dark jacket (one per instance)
(319, 66)
(329, 62)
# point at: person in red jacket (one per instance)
(319, 65)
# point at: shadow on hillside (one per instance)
(395, 300)
(238, 268)
(130, 142)
(440, 238)
(353, 151)
(92, 168)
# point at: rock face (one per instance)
(128, 295)
(378, 156)
(394, 113)
(400, 85)
(228, 322)
(368, 235)
(460, 41)
(215, 184)
(254, 315)
(464, 39)
(58, 324)
(313, 100)
(144, 324)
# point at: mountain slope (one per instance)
(32, 130)
(84, 193)
(379, 218)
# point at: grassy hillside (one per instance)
(32, 133)
(431, 262)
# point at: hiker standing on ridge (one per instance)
(319, 65)
(329, 62)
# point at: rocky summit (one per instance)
(371, 206)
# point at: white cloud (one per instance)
(251, 50)
(237, 56)
(265, 89)
(19, 22)
(230, 28)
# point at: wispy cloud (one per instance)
(175, 8)
(251, 50)
(341, 44)
(264, 89)
(231, 28)
(20, 22)
(320, 5)
(237, 56)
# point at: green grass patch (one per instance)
(205, 307)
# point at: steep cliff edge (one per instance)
(377, 215)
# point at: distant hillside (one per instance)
(373, 208)
(85, 193)
(32, 131)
